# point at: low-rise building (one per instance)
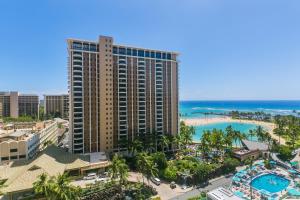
(221, 193)
(20, 175)
(26, 143)
(251, 149)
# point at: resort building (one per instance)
(57, 105)
(118, 92)
(14, 104)
(26, 143)
(19, 176)
(251, 149)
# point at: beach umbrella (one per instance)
(236, 179)
(292, 171)
(273, 162)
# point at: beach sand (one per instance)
(204, 121)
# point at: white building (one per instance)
(221, 193)
(26, 143)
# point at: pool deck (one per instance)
(243, 187)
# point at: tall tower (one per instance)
(118, 92)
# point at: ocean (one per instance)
(196, 109)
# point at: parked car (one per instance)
(172, 185)
(90, 176)
(102, 180)
(155, 180)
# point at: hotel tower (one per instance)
(118, 92)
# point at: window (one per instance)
(147, 54)
(77, 79)
(115, 50)
(134, 52)
(152, 54)
(22, 156)
(77, 104)
(122, 51)
(129, 52)
(141, 53)
(158, 55)
(77, 89)
(169, 56)
(164, 56)
(13, 157)
(4, 158)
(13, 150)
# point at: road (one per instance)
(163, 190)
(213, 184)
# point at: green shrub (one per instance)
(160, 159)
(230, 164)
(170, 173)
(285, 153)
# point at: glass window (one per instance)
(152, 54)
(147, 54)
(141, 53)
(158, 55)
(13, 150)
(122, 51)
(86, 47)
(134, 52)
(115, 50)
(164, 56)
(93, 47)
(129, 52)
(169, 56)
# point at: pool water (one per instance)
(243, 127)
(270, 182)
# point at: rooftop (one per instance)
(252, 145)
(21, 174)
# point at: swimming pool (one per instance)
(270, 182)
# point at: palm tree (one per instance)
(2, 185)
(56, 188)
(164, 141)
(260, 133)
(205, 144)
(63, 189)
(252, 133)
(119, 169)
(238, 136)
(146, 166)
(187, 135)
(178, 141)
(171, 139)
(135, 146)
(217, 141)
(41, 185)
(279, 130)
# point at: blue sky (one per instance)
(230, 49)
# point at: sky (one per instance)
(229, 49)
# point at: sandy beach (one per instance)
(204, 121)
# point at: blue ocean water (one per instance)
(196, 109)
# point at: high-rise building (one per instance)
(57, 105)
(118, 92)
(15, 104)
